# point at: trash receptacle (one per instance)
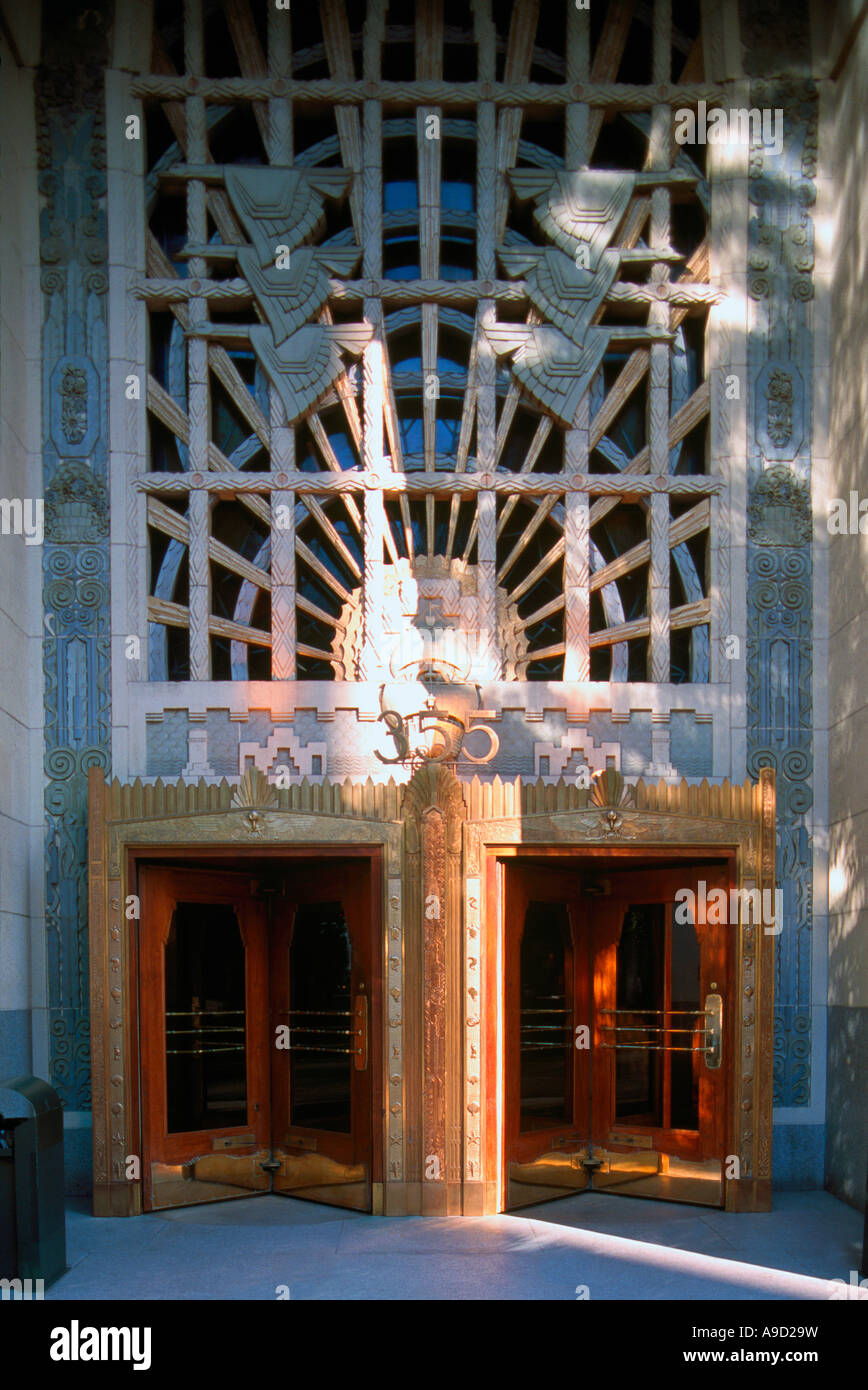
(32, 1223)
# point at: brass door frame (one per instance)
(131, 821)
(650, 819)
(441, 1036)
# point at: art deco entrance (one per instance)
(616, 1001)
(475, 919)
(255, 1022)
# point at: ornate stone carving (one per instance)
(71, 157)
(305, 365)
(76, 505)
(281, 207)
(779, 511)
(552, 368)
(73, 391)
(288, 298)
(576, 209)
(780, 411)
(566, 294)
(779, 646)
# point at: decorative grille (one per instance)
(427, 297)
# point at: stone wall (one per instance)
(21, 929)
(847, 1129)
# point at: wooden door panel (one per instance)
(216, 982)
(190, 1055)
(675, 1148)
(649, 1114)
(546, 1000)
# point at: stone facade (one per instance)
(780, 290)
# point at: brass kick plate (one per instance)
(232, 1141)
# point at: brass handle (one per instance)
(713, 1030)
(360, 1033)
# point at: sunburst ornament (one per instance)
(609, 790)
(254, 792)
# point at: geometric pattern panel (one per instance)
(76, 590)
(782, 193)
(480, 326)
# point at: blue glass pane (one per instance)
(403, 272)
(411, 436)
(398, 196)
(446, 435)
(458, 196)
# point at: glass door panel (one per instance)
(206, 1019)
(641, 1109)
(320, 1019)
(255, 1034)
(547, 1069)
(321, 1070)
(546, 1031)
(658, 1095)
(205, 1097)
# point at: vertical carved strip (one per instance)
(200, 600)
(659, 146)
(197, 359)
(127, 357)
(395, 1031)
(373, 655)
(69, 90)
(486, 570)
(577, 660)
(578, 70)
(658, 588)
(519, 55)
(194, 39)
(434, 985)
(473, 974)
(116, 1036)
(429, 65)
(373, 362)
(339, 51)
(726, 349)
(661, 51)
(280, 148)
(282, 585)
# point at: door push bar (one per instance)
(712, 1032)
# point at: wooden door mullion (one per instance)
(666, 1057)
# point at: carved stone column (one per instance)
(433, 811)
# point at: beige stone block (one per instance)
(848, 958)
(14, 960)
(848, 766)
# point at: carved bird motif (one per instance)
(566, 294)
(576, 208)
(305, 365)
(288, 298)
(552, 368)
(281, 207)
